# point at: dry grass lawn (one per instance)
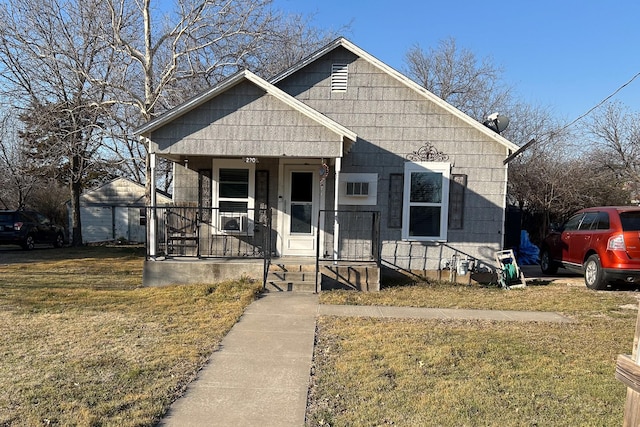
(380, 372)
(83, 344)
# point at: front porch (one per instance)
(204, 245)
(283, 274)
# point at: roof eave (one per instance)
(189, 105)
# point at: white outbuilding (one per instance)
(112, 212)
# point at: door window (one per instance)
(301, 202)
(602, 222)
(588, 220)
(573, 223)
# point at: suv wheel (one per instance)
(593, 276)
(59, 241)
(28, 243)
(546, 263)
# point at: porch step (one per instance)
(296, 276)
(290, 286)
(291, 278)
(291, 268)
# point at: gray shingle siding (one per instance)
(392, 121)
(255, 122)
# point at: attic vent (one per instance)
(339, 74)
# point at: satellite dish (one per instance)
(496, 122)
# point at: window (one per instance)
(358, 189)
(630, 221)
(602, 222)
(588, 220)
(233, 192)
(573, 222)
(426, 200)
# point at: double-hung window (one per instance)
(235, 197)
(426, 201)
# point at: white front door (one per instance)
(301, 208)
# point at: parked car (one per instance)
(603, 243)
(26, 228)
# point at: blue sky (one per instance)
(566, 55)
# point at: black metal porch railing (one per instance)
(357, 238)
(358, 235)
(193, 231)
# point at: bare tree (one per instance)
(88, 72)
(615, 133)
(166, 55)
(293, 41)
(559, 174)
(16, 185)
(52, 53)
(455, 75)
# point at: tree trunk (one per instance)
(76, 190)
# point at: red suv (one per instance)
(603, 243)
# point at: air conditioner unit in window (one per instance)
(357, 189)
(233, 222)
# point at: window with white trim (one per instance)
(425, 201)
(234, 195)
(358, 189)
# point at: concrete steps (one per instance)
(291, 278)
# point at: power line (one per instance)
(599, 103)
(582, 116)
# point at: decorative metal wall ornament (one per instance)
(323, 171)
(427, 153)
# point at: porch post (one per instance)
(152, 243)
(336, 226)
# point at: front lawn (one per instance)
(468, 373)
(84, 344)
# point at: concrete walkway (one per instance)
(260, 374)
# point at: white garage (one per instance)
(112, 212)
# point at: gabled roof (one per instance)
(132, 198)
(246, 75)
(346, 44)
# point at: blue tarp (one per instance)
(528, 253)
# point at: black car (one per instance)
(26, 228)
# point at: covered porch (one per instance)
(190, 251)
(255, 173)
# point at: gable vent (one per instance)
(339, 74)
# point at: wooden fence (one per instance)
(628, 372)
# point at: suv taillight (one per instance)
(616, 243)
(17, 226)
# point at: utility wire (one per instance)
(533, 141)
(600, 103)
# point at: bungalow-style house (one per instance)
(339, 162)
